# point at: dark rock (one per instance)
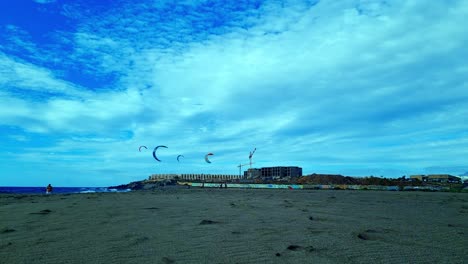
(143, 185)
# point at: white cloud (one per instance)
(17, 74)
(44, 1)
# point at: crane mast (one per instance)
(250, 156)
(242, 165)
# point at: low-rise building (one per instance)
(419, 177)
(443, 178)
(194, 177)
(274, 173)
(446, 178)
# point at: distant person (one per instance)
(49, 189)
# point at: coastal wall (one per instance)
(316, 186)
(250, 186)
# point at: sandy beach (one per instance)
(235, 226)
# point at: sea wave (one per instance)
(58, 190)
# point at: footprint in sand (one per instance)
(7, 230)
(208, 222)
(43, 212)
(369, 234)
(167, 260)
(297, 248)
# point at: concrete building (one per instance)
(253, 173)
(194, 177)
(274, 173)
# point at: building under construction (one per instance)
(273, 173)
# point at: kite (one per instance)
(206, 157)
(154, 152)
(179, 157)
(139, 149)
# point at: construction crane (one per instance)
(250, 156)
(242, 165)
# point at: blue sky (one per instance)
(355, 87)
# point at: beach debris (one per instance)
(167, 260)
(154, 152)
(311, 218)
(208, 222)
(139, 149)
(179, 157)
(206, 157)
(7, 230)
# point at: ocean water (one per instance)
(41, 190)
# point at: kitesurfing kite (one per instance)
(139, 149)
(206, 157)
(154, 152)
(179, 157)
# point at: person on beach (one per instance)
(49, 189)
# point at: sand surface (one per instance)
(235, 226)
